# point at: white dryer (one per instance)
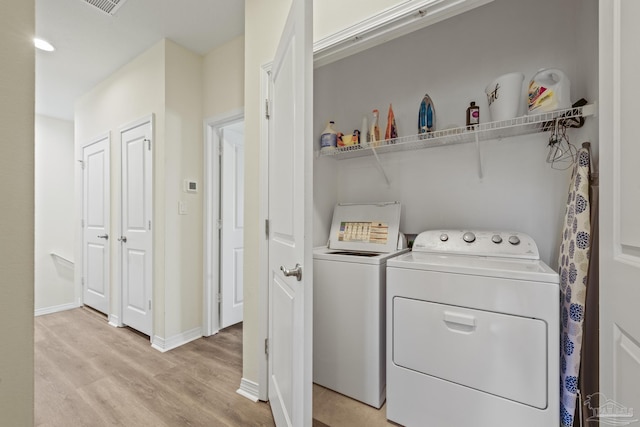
(472, 332)
(349, 289)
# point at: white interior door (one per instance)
(95, 218)
(619, 213)
(290, 212)
(136, 236)
(232, 215)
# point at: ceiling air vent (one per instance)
(109, 7)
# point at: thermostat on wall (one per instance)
(190, 186)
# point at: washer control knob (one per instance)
(469, 237)
(496, 238)
(514, 240)
(444, 237)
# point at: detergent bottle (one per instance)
(549, 91)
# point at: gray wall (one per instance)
(17, 69)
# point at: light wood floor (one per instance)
(88, 373)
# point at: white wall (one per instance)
(54, 228)
(331, 16)
(223, 78)
(17, 96)
(453, 61)
(183, 159)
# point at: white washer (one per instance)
(472, 332)
(349, 284)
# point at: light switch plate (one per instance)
(182, 208)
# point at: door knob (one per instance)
(123, 239)
(295, 271)
(104, 236)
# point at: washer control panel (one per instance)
(505, 244)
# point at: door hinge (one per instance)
(219, 298)
(219, 223)
(220, 147)
(82, 223)
(149, 225)
(81, 163)
(266, 227)
(266, 346)
(267, 112)
(149, 304)
(148, 141)
(82, 281)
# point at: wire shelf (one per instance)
(485, 131)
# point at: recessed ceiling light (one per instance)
(43, 45)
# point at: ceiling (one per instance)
(91, 44)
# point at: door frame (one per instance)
(211, 187)
(79, 270)
(263, 248)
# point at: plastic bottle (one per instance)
(329, 138)
(473, 115)
(549, 90)
(364, 131)
(374, 137)
(392, 130)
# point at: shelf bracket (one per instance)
(479, 151)
(380, 168)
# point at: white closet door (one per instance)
(136, 237)
(232, 232)
(95, 215)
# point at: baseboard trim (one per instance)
(164, 345)
(114, 321)
(55, 309)
(249, 389)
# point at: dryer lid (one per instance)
(365, 227)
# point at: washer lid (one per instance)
(365, 227)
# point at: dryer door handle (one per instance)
(459, 322)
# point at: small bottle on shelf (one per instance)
(473, 115)
(364, 131)
(374, 136)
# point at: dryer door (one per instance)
(500, 354)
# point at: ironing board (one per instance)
(574, 268)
